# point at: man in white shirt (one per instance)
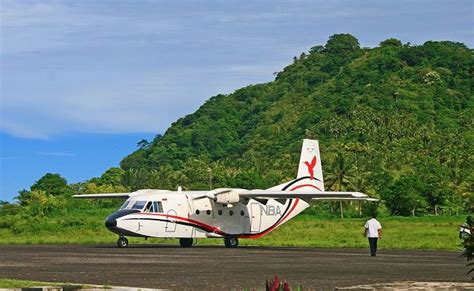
(373, 231)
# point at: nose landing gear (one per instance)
(122, 242)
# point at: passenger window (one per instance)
(242, 213)
(231, 212)
(208, 212)
(197, 212)
(219, 212)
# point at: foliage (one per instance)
(15, 283)
(398, 116)
(52, 184)
(49, 184)
(41, 203)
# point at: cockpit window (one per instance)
(154, 206)
(158, 207)
(138, 205)
(126, 205)
(148, 207)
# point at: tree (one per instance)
(436, 184)
(339, 176)
(135, 179)
(112, 176)
(316, 49)
(341, 43)
(340, 173)
(41, 203)
(143, 144)
(52, 184)
(23, 197)
(390, 42)
(403, 196)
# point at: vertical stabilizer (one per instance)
(310, 171)
(310, 160)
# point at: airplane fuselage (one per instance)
(179, 215)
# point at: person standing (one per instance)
(373, 231)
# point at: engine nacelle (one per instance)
(230, 197)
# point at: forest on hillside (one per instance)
(393, 121)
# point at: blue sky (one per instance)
(83, 81)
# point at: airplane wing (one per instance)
(104, 196)
(307, 195)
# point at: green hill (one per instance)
(395, 121)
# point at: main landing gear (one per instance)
(122, 242)
(185, 242)
(231, 241)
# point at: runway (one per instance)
(203, 267)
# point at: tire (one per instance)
(231, 241)
(122, 242)
(186, 242)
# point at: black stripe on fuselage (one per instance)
(297, 180)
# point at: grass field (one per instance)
(14, 283)
(86, 227)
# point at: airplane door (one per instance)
(255, 217)
(171, 224)
(190, 212)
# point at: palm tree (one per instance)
(135, 178)
(360, 183)
(340, 175)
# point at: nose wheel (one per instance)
(122, 242)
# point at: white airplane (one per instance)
(227, 213)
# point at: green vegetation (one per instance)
(14, 283)
(394, 121)
(86, 226)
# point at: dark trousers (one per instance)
(373, 245)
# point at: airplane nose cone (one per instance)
(111, 222)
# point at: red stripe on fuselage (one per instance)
(203, 225)
(304, 185)
(260, 234)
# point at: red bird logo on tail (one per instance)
(311, 167)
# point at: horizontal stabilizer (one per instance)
(104, 196)
(316, 195)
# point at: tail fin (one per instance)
(310, 162)
(310, 171)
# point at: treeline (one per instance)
(394, 121)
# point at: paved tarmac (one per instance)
(219, 268)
